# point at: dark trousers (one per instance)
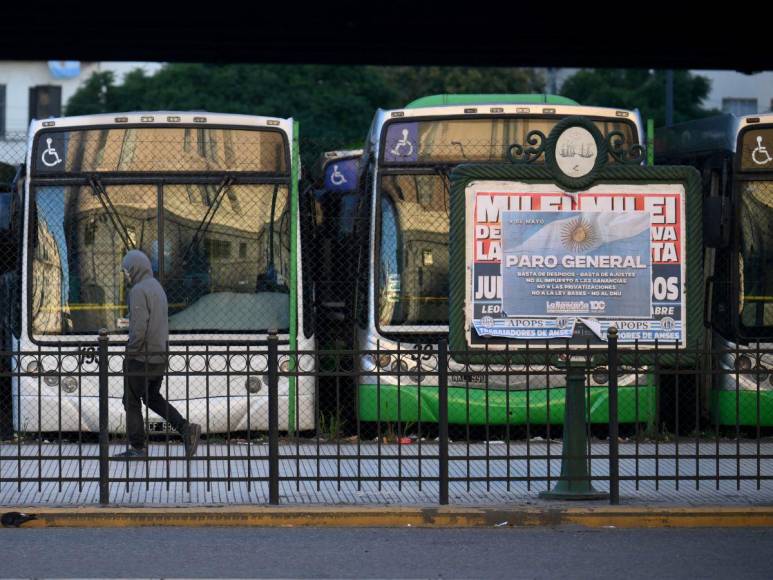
(142, 384)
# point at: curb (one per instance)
(394, 517)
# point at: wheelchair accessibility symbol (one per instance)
(760, 154)
(50, 157)
(337, 178)
(401, 144)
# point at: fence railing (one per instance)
(431, 423)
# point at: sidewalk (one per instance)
(393, 461)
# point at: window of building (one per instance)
(739, 107)
(217, 249)
(45, 101)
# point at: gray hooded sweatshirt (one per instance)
(148, 311)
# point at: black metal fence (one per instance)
(662, 422)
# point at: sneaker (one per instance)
(132, 453)
(191, 434)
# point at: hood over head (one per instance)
(137, 264)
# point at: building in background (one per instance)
(731, 91)
(738, 93)
(40, 89)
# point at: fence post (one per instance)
(273, 418)
(614, 455)
(104, 438)
(443, 420)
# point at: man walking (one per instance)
(146, 358)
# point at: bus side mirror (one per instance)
(716, 225)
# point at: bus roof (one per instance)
(718, 133)
(489, 99)
(340, 154)
(166, 118)
(701, 135)
(524, 110)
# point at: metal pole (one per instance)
(104, 441)
(651, 142)
(575, 480)
(669, 97)
(614, 457)
(443, 419)
(273, 418)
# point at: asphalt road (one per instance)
(386, 553)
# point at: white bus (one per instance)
(735, 158)
(403, 288)
(212, 199)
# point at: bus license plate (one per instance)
(158, 426)
(468, 378)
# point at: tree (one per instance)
(96, 95)
(641, 89)
(410, 83)
(334, 104)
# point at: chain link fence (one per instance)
(374, 294)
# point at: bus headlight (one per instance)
(69, 385)
(384, 360)
(368, 363)
(743, 363)
(51, 378)
(33, 367)
(399, 366)
(600, 376)
(253, 385)
(418, 377)
(760, 373)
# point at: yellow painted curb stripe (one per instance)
(439, 517)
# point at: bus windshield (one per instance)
(413, 257)
(463, 140)
(159, 150)
(412, 284)
(222, 252)
(756, 253)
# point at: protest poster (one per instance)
(543, 263)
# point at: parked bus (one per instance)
(403, 279)
(212, 199)
(336, 193)
(735, 158)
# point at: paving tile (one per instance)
(722, 477)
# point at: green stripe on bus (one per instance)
(725, 404)
(295, 160)
(490, 99)
(490, 407)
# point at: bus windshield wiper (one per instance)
(208, 216)
(269, 281)
(442, 171)
(111, 212)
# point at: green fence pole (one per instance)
(574, 482)
(650, 142)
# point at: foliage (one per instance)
(333, 103)
(412, 82)
(642, 89)
(331, 425)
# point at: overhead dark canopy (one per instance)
(654, 34)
